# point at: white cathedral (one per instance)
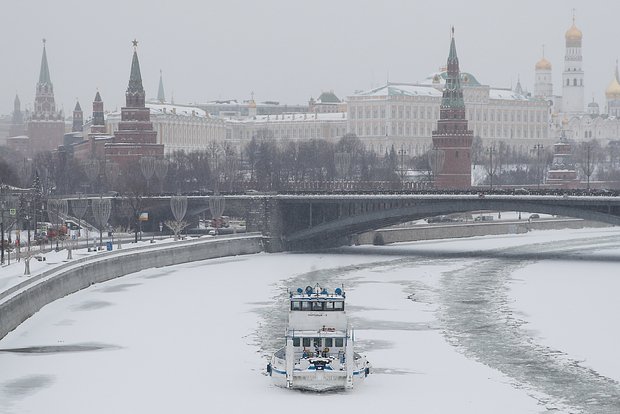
(568, 112)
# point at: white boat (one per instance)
(319, 354)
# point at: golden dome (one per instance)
(613, 90)
(543, 64)
(573, 34)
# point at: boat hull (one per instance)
(317, 381)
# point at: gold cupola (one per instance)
(543, 64)
(573, 36)
(613, 90)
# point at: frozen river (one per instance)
(502, 324)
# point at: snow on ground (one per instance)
(196, 337)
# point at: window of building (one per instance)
(339, 342)
(295, 305)
(306, 342)
(329, 342)
(329, 306)
(296, 341)
(305, 306)
(317, 342)
(340, 305)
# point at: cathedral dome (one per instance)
(573, 36)
(543, 64)
(613, 90)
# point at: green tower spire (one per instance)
(44, 75)
(161, 96)
(135, 77)
(453, 93)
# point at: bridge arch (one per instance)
(337, 230)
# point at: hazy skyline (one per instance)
(290, 51)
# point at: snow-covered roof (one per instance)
(507, 94)
(294, 117)
(180, 110)
(409, 89)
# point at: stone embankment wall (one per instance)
(24, 300)
(415, 233)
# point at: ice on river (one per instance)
(446, 325)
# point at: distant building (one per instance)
(135, 137)
(286, 127)
(233, 108)
(179, 127)
(404, 115)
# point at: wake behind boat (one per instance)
(319, 353)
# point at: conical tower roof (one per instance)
(17, 103)
(453, 92)
(44, 74)
(135, 77)
(98, 97)
(77, 108)
(161, 96)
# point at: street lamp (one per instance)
(402, 152)
(490, 151)
(538, 148)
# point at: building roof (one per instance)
(408, 89)
(328, 97)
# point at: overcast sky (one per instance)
(290, 50)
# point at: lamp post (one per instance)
(537, 148)
(2, 207)
(490, 151)
(402, 152)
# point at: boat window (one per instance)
(339, 342)
(317, 305)
(329, 306)
(338, 306)
(296, 341)
(317, 342)
(329, 342)
(305, 306)
(295, 305)
(306, 342)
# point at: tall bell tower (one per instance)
(572, 77)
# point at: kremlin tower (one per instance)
(452, 136)
(78, 118)
(135, 137)
(46, 127)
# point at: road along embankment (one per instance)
(31, 295)
(448, 231)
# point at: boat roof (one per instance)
(317, 293)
